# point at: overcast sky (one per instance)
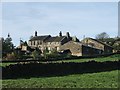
(83, 18)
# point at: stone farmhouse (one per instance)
(87, 47)
(49, 42)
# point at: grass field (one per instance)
(94, 80)
(99, 59)
(108, 79)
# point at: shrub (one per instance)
(36, 54)
(11, 56)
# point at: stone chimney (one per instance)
(35, 33)
(60, 34)
(67, 34)
(8, 35)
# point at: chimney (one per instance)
(35, 33)
(60, 34)
(67, 34)
(8, 35)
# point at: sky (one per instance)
(22, 19)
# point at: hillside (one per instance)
(100, 73)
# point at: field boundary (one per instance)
(54, 59)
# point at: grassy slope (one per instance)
(6, 64)
(100, 59)
(94, 80)
(91, 80)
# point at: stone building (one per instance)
(86, 47)
(49, 42)
(79, 49)
(23, 48)
(105, 48)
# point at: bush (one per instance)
(11, 56)
(36, 54)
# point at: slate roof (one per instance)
(55, 39)
(48, 38)
(39, 38)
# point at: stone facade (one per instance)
(74, 47)
(87, 47)
(98, 45)
(78, 49)
(49, 42)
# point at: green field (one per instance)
(94, 80)
(108, 79)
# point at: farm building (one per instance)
(79, 49)
(106, 49)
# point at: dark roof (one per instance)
(39, 38)
(100, 42)
(55, 39)
(48, 38)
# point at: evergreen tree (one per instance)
(7, 46)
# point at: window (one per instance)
(55, 48)
(34, 42)
(38, 43)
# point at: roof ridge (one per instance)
(62, 39)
